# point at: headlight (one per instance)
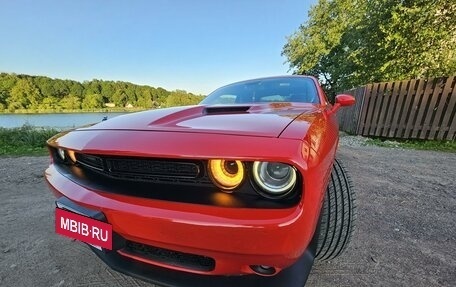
(61, 153)
(66, 156)
(226, 174)
(275, 179)
(71, 155)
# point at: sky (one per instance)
(195, 46)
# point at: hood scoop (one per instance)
(225, 110)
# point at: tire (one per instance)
(337, 215)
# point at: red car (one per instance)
(242, 189)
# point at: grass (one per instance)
(26, 140)
(447, 146)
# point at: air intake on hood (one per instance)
(226, 109)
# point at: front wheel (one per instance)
(337, 216)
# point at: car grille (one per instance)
(145, 169)
(167, 179)
(169, 257)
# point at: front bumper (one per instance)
(235, 238)
(293, 276)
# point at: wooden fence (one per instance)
(412, 109)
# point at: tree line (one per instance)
(39, 93)
(349, 43)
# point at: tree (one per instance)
(44, 93)
(182, 98)
(92, 101)
(60, 88)
(130, 93)
(107, 90)
(144, 99)
(92, 87)
(76, 89)
(70, 102)
(7, 82)
(420, 39)
(49, 103)
(318, 45)
(45, 85)
(160, 95)
(351, 43)
(119, 98)
(24, 95)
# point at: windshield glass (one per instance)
(280, 89)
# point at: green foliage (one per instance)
(70, 102)
(24, 95)
(182, 98)
(25, 140)
(347, 43)
(447, 146)
(21, 93)
(49, 103)
(92, 101)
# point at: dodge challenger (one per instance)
(244, 188)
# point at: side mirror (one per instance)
(345, 100)
(342, 100)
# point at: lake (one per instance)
(58, 121)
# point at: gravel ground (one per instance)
(405, 235)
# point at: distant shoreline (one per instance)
(56, 120)
(31, 112)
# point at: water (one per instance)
(58, 121)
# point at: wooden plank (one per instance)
(448, 112)
(385, 106)
(352, 117)
(378, 107)
(348, 119)
(444, 100)
(451, 135)
(421, 109)
(419, 91)
(372, 106)
(360, 110)
(359, 96)
(409, 111)
(391, 108)
(426, 126)
(399, 108)
(405, 108)
(345, 115)
(365, 107)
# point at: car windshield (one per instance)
(280, 89)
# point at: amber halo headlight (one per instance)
(226, 174)
(275, 179)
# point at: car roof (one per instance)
(270, 78)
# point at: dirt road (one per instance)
(406, 234)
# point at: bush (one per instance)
(25, 140)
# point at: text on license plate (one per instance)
(83, 228)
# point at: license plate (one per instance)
(82, 228)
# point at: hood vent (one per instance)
(225, 110)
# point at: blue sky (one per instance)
(175, 44)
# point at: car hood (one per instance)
(265, 120)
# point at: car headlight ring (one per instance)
(226, 174)
(274, 179)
